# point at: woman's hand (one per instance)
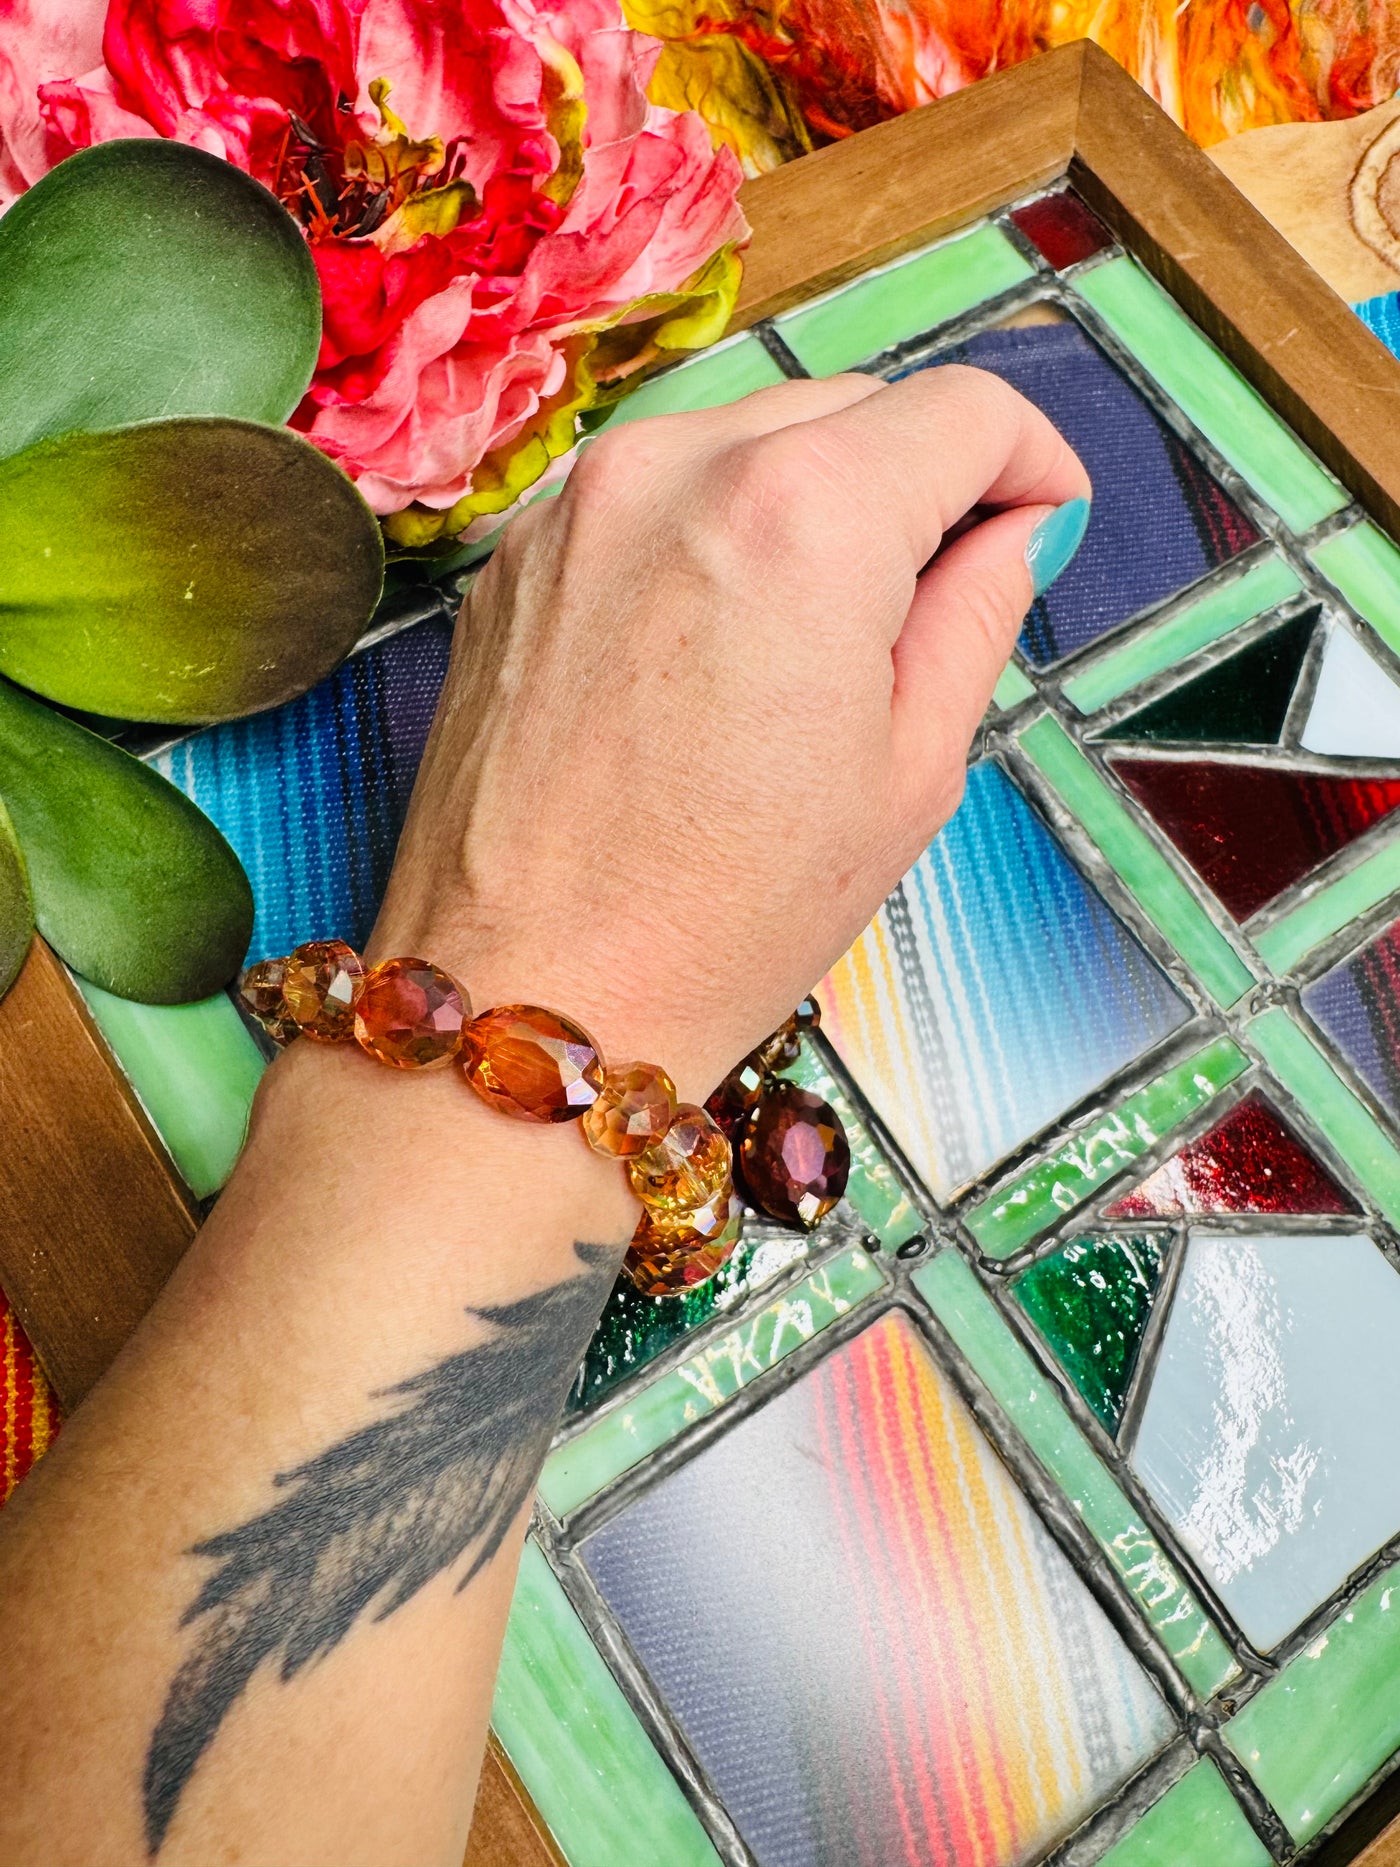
(707, 706)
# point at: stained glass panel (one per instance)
(1242, 700)
(1091, 1298)
(906, 1669)
(1358, 1005)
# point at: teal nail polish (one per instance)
(1054, 542)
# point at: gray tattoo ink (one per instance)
(375, 1517)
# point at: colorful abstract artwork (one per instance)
(1037, 1505)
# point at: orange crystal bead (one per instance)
(534, 1064)
(665, 1258)
(260, 988)
(635, 1107)
(321, 986)
(689, 1164)
(410, 1014)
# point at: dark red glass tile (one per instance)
(1062, 229)
(1250, 1162)
(1250, 831)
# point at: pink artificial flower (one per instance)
(499, 218)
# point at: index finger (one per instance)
(941, 442)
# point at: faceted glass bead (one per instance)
(534, 1064)
(808, 1014)
(635, 1107)
(794, 1155)
(665, 1259)
(686, 1167)
(782, 1049)
(410, 1014)
(260, 988)
(736, 1095)
(322, 985)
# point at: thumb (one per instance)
(967, 610)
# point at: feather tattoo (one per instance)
(371, 1520)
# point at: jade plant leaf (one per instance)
(182, 570)
(132, 884)
(16, 904)
(143, 278)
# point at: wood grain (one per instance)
(93, 1217)
(507, 1830)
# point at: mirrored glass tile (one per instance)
(1090, 1299)
(1314, 1735)
(1231, 415)
(1199, 1822)
(1030, 1403)
(578, 1746)
(1267, 1436)
(1159, 520)
(1062, 229)
(1242, 700)
(1355, 710)
(1251, 831)
(993, 990)
(899, 301)
(1358, 1005)
(1098, 1151)
(1252, 1161)
(900, 1666)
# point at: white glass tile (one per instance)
(1355, 712)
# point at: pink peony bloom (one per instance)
(500, 220)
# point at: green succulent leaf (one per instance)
(143, 278)
(16, 904)
(183, 570)
(132, 884)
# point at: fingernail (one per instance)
(1054, 542)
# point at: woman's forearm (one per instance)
(285, 1541)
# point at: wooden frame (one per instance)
(92, 1213)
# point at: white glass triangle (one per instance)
(1356, 710)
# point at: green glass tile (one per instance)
(1365, 566)
(578, 1746)
(1242, 700)
(875, 1190)
(1090, 1299)
(194, 1068)
(1314, 1735)
(1011, 689)
(1320, 915)
(732, 369)
(1040, 1197)
(1197, 1821)
(1212, 392)
(582, 1466)
(1159, 1593)
(899, 301)
(1153, 650)
(1307, 1075)
(634, 1329)
(1154, 883)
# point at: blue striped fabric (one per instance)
(314, 794)
(1382, 315)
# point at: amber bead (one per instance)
(635, 1107)
(689, 1164)
(410, 1014)
(793, 1155)
(782, 1049)
(322, 985)
(736, 1096)
(531, 1063)
(665, 1259)
(260, 988)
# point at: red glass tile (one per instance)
(1250, 831)
(1062, 229)
(1250, 1162)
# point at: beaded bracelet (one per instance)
(785, 1145)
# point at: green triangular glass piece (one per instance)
(1242, 700)
(1090, 1300)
